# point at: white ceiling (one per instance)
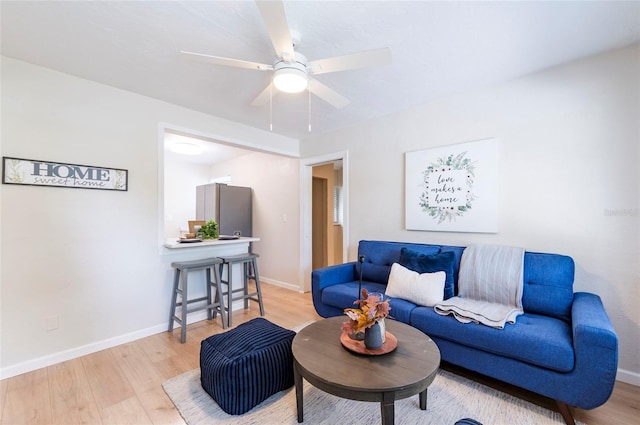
(211, 153)
(438, 48)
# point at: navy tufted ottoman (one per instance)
(242, 367)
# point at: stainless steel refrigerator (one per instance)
(229, 206)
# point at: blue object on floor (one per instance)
(243, 367)
(467, 421)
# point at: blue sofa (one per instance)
(563, 346)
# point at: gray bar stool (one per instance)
(249, 263)
(212, 306)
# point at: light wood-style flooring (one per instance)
(123, 384)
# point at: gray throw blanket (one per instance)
(490, 284)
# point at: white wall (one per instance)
(276, 212)
(89, 257)
(180, 181)
(570, 140)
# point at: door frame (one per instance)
(306, 174)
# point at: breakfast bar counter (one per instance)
(240, 242)
(175, 251)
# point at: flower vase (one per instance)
(383, 330)
(373, 337)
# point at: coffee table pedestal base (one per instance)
(387, 405)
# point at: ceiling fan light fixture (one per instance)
(186, 149)
(290, 80)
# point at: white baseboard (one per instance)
(629, 377)
(280, 284)
(63, 356)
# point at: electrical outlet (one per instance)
(51, 323)
(285, 218)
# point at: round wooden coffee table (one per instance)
(320, 358)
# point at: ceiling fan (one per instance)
(291, 70)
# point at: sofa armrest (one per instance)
(591, 325)
(328, 276)
(595, 344)
(333, 275)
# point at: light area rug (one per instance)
(450, 398)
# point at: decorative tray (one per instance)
(390, 344)
(189, 240)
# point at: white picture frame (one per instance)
(453, 188)
(33, 172)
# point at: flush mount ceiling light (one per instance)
(186, 148)
(290, 77)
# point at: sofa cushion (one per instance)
(374, 272)
(401, 309)
(538, 340)
(426, 263)
(380, 255)
(457, 253)
(424, 289)
(548, 284)
(344, 295)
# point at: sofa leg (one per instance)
(565, 412)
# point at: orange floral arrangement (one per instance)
(371, 310)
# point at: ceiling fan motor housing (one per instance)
(291, 77)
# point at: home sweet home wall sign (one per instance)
(46, 173)
(453, 188)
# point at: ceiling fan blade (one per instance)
(275, 19)
(263, 97)
(364, 59)
(328, 95)
(218, 60)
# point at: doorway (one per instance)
(319, 228)
(326, 220)
(333, 168)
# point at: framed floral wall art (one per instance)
(453, 188)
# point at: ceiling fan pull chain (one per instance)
(270, 107)
(309, 92)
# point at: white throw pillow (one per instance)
(425, 289)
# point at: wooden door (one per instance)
(319, 223)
